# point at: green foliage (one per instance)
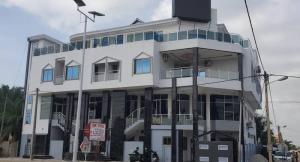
(261, 129)
(13, 114)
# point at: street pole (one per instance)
(270, 147)
(2, 120)
(34, 124)
(195, 103)
(78, 113)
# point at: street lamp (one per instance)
(80, 3)
(280, 79)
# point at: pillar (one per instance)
(147, 123)
(208, 121)
(173, 130)
(194, 103)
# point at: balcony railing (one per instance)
(134, 116)
(59, 79)
(110, 75)
(181, 119)
(145, 36)
(203, 73)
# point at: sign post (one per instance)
(85, 147)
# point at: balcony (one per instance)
(181, 119)
(203, 73)
(59, 80)
(110, 75)
(144, 36)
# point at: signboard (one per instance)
(97, 131)
(85, 146)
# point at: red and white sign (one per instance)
(97, 131)
(85, 146)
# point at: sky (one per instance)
(276, 24)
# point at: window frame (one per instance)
(78, 77)
(43, 74)
(143, 72)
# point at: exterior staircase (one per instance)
(59, 120)
(134, 121)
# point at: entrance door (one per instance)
(167, 153)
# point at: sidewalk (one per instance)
(258, 158)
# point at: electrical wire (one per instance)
(254, 37)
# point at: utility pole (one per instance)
(195, 103)
(270, 147)
(2, 120)
(34, 124)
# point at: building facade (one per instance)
(127, 71)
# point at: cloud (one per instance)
(163, 11)
(63, 16)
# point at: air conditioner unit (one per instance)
(208, 63)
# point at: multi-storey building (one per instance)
(127, 67)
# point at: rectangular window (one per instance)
(225, 107)
(202, 34)
(120, 39)
(149, 35)
(167, 141)
(192, 34)
(130, 37)
(210, 35)
(96, 43)
(172, 36)
(37, 52)
(220, 37)
(142, 66)
(105, 41)
(227, 38)
(79, 45)
(112, 40)
(182, 35)
(160, 104)
(183, 104)
(45, 107)
(73, 72)
(47, 75)
(138, 36)
(28, 112)
(201, 106)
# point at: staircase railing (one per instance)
(60, 117)
(134, 116)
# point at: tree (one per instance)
(261, 130)
(12, 122)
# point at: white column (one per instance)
(208, 121)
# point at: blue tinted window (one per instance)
(192, 34)
(149, 35)
(138, 36)
(182, 35)
(72, 72)
(142, 66)
(210, 35)
(104, 41)
(120, 39)
(96, 43)
(130, 38)
(47, 75)
(227, 38)
(172, 36)
(202, 34)
(79, 45)
(220, 37)
(71, 46)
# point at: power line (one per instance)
(254, 37)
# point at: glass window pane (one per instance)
(182, 35)
(142, 66)
(172, 36)
(112, 40)
(105, 41)
(228, 107)
(192, 34)
(120, 39)
(219, 107)
(210, 35)
(73, 73)
(220, 37)
(79, 45)
(202, 34)
(149, 35)
(37, 52)
(138, 36)
(228, 116)
(96, 43)
(130, 38)
(65, 47)
(227, 38)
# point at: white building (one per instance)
(124, 64)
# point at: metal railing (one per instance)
(102, 76)
(203, 73)
(134, 116)
(181, 119)
(60, 117)
(59, 79)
